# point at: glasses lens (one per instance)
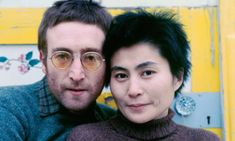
(61, 59)
(91, 61)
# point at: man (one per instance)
(70, 39)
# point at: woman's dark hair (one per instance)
(160, 29)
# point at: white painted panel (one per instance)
(26, 3)
(16, 69)
(116, 3)
(158, 3)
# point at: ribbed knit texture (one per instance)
(120, 129)
(30, 113)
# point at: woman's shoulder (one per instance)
(92, 126)
(90, 131)
(198, 134)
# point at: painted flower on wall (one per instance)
(25, 62)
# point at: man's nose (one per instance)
(76, 70)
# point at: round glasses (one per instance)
(91, 61)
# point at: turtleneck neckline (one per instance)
(154, 129)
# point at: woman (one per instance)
(147, 64)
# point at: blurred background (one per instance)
(207, 101)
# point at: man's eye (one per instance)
(63, 56)
(91, 58)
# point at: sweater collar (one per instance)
(155, 129)
(48, 103)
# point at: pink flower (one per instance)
(21, 58)
(23, 68)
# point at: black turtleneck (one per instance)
(121, 129)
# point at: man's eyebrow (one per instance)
(145, 64)
(118, 68)
(90, 49)
(61, 49)
(82, 50)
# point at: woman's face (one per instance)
(142, 83)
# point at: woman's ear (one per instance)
(43, 61)
(178, 80)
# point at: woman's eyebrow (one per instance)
(118, 68)
(145, 64)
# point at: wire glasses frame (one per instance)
(91, 61)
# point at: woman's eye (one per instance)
(120, 76)
(148, 73)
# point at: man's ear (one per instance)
(178, 80)
(43, 61)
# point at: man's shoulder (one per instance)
(19, 108)
(10, 91)
(17, 94)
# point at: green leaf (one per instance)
(3, 59)
(33, 62)
(29, 55)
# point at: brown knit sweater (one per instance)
(120, 129)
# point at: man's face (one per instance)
(74, 87)
(142, 83)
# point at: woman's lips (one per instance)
(138, 106)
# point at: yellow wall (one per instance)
(227, 21)
(202, 28)
(19, 26)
